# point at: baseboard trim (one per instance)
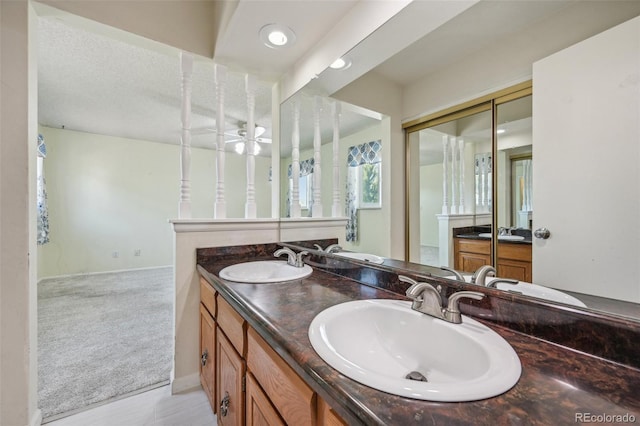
(185, 383)
(36, 419)
(104, 272)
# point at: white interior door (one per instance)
(586, 159)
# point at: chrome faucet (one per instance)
(480, 275)
(494, 283)
(293, 258)
(333, 248)
(427, 299)
(457, 274)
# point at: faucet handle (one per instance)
(452, 312)
(319, 247)
(299, 262)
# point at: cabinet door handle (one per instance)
(203, 358)
(224, 405)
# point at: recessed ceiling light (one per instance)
(341, 63)
(500, 131)
(277, 36)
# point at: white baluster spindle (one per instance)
(336, 208)
(445, 181)
(186, 70)
(220, 206)
(317, 143)
(295, 161)
(454, 175)
(462, 167)
(250, 210)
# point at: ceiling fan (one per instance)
(239, 136)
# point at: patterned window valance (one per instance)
(367, 153)
(306, 168)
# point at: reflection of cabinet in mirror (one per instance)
(514, 258)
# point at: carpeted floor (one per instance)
(101, 336)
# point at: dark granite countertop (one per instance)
(556, 385)
(476, 236)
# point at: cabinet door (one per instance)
(326, 416)
(470, 262)
(514, 269)
(207, 355)
(230, 375)
(260, 412)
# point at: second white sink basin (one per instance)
(364, 257)
(264, 271)
(379, 342)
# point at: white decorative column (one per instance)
(336, 208)
(461, 174)
(186, 69)
(317, 143)
(220, 206)
(527, 202)
(250, 210)
(454, 175)
(295, 161)
(445, 174)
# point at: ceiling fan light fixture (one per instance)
(277, 36)
(239, 148)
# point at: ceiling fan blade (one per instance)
(263, 140)
(234, 140)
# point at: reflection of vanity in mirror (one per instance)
(470, 177)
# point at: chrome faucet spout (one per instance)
(457, 274)
(494, 283)
(293, 259)
(333, 248)
(480, 276)
(426, 298)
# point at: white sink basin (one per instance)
(378, 342)
(534, 290)
(503, 237)
(364, 257)
(264, 271)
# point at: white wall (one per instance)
(431, 194)
(18, 136)
(509, 60)
(376, 93)
(109, 194)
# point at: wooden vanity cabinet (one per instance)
(514, 260)
(469, 255)
(230, 365)
(208, 341)
(252, 384)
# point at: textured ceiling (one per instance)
(93, 83)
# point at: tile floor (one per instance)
(156, 407)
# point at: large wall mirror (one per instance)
(351, 177)
(490, 162)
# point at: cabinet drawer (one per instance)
(473, 246)
(232, 324)
(294, 400)
(514, 252)
(208, 296)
